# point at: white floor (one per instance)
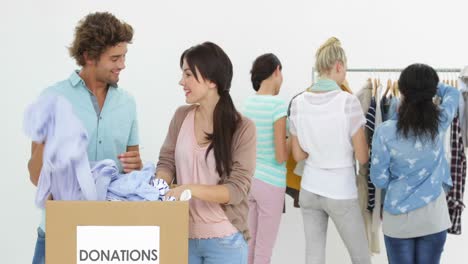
(290, 245)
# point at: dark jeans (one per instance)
(416, 250)
(39, 252)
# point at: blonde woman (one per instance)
(327, 127)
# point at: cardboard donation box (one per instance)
(85, 232)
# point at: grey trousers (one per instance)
(348, 220)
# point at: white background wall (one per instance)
(34, 36)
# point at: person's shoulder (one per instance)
(299, 95)
(387, 128)
(245, 123)
(186, 108)
(249, 100)
(183, 110)
(124, 94)
(351, 98)
(348, 96)
(389, 123)
(292, 103)
(58, 88)
(278, 100)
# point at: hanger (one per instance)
(454, 80)
(392, 85)
(395, 91)
(389, 86)
(371, 81)
(376, 85)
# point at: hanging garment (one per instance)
(293, 181)
(463, 110)
(461, 114)
(458, 173)
(293, 176)
(388, 106)
(385, 107)
(370, 126)
(372, 220)
(464, 123)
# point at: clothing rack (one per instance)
(377, 70)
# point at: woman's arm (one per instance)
(210, 193)
(281, 148)
(380, 169)
(361, 149)
(298, 153)
(449, 106)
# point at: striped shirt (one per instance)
(265, 110)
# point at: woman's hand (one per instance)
(177, 191)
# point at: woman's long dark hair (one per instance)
(418, 116)
(262, 68)
(214, 65)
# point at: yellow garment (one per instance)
(372, 220)
(345, 87)
(292, 180)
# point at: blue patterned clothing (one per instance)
(412, 170)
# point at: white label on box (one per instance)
(117, 244)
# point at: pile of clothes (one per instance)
(66, 171)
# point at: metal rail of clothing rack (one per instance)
(379, 70)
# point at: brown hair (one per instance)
(95, 33)
(262, 68)
(418, 116)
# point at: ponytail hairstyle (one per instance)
(417, 115)
(328, 54)
(214, 65)
(262, 68)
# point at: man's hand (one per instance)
(130, 161)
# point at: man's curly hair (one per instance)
(97, 32)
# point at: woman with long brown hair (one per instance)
(210, 150)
